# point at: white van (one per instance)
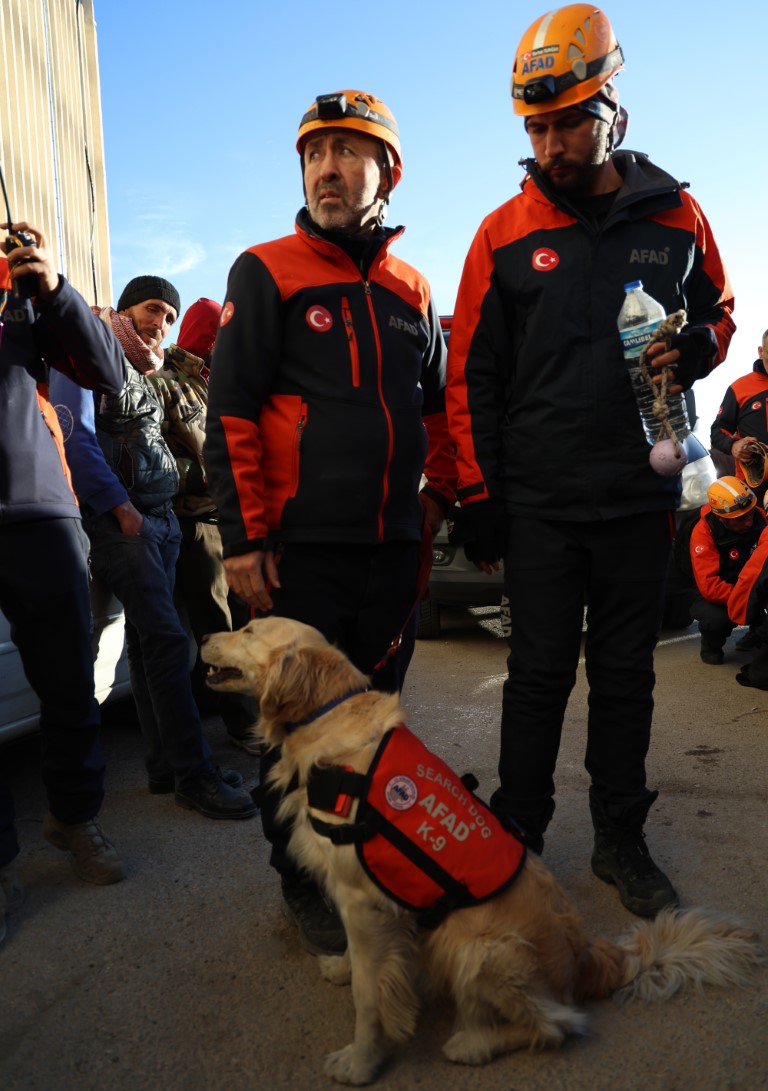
(19, 706)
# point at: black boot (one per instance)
(755, 674)
(711, 653)
(527, 819)
(320, 928)
(621, 857)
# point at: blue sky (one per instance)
(201, 103)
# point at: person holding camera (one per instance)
(44, 589)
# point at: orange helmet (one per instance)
(729, 497)
(565, 57)
(359, 111)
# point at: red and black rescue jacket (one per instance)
(326, 397)
(718, 554)
(420, 833)
(743, 412)
(539, 398)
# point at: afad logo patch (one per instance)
(401, 793)
(319, 318)
(226, 313)
(544, 260)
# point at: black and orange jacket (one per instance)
(326, 397)
(60, 333)
(718, 554)
(743, 412)
(539, 399)
(748, 600)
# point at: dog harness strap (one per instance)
(346, 833)
(326, 783)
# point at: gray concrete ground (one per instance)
(186, 976)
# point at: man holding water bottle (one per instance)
(553, 463)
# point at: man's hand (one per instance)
(433, 512)
(687, 357)
(129, 518)
(250, 574)
(742, 450)
(33, 259)
(659, 358)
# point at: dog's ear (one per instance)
(300, 678)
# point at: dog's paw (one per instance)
(466, 1048)
(348, 1065)
(335, 968)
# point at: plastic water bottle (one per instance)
(639, 318)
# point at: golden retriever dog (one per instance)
(517, 963)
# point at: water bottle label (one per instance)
(634, 339)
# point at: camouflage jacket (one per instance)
(183, 392)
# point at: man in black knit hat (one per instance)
(126, 478)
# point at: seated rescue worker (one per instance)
(722, 541)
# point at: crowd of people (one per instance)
(298, 446)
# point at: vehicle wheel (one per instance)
(429, 620)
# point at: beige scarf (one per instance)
(137, 353)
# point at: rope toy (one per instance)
(667, 455)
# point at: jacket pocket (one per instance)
(281, 426)
(354, 351)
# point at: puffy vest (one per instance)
(420, 833)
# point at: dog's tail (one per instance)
(660, 957)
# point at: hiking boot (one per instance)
(320, 929)
(11, 894)
(166, 783)
(210, 793)
(755, 674)
(251, 744)
(621, 857)
(94, 857)
(711, 653)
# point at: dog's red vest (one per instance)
(421, 835)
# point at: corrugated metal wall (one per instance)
(51, 134)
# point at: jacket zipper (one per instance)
(387, 416)
(296, 459)
(354, 350)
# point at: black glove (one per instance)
(482, 529)
(697, 346)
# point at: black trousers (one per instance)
(617, 567)
(44, 594)
(714, 624)
(359, 597)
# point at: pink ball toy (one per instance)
(664, 460)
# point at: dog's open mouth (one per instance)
(218, 676)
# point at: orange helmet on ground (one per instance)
(729, 497)
(565, 57)
(359, 111)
